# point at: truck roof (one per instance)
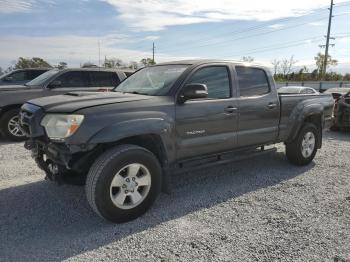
(96, 69)
(206, 61)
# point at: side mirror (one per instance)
(8, 79)
(55, 84)
(194, 91)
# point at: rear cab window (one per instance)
(252, 81)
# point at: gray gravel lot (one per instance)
(261, 209)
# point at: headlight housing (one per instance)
(59, 126)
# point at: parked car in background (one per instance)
(341, 111)
(297, 90)
(21, 76)
(51, 83)
(166, 118)
(337, 92)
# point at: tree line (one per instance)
(283, 69)
(37, 62)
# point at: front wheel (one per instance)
(123, 183)
(302, 150)
(9, 126)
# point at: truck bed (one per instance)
(292, 105)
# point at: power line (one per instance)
(283, 45)
(277, 46)
(252, 28)
(229, 41)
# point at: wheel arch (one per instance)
(313, 116)
(7, 108)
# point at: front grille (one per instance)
(30, 118)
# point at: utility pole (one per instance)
(153, 47)
(328, 38)
(99, 54)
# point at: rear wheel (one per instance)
(123, 183)
(9, 126)
(302, 150)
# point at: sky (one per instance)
(73, 30)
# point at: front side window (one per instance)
(216, 79)
(252, 81)
(19, 76)
(73, 79)
(41, 79)
(154, 80)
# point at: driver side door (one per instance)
(206, 126)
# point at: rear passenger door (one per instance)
(258, 106)
(205, 126)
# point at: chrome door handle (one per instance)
(231, 109)
(271, 105)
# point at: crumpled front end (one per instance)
(52, 157)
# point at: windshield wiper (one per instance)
(136, 93)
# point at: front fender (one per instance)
(135, 127)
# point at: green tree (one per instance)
(147, 61)
(34, 62)
(320, 59)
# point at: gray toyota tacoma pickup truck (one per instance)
(51, 83)
(167, 118)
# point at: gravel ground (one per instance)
(261, 209)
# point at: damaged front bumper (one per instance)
(56, 159)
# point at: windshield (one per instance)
(155, 80)
(4, 75)
(42, 78)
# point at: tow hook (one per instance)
(52, 172)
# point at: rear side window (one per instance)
(104, 79)
(252, 81)
(35, 73)
(309, 91)
(74, 79)
(216, 78)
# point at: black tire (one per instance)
(4, 126)
(294, 149)
(104, 169)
